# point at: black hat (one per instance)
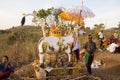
(90, 36)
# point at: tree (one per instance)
(99, 26)
(42, 13)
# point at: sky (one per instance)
(106, 11)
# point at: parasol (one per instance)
(80, 11)
(69, 17)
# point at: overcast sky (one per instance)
(106, 11)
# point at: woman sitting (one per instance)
(112, 47)
(6, 68)
(105, 43)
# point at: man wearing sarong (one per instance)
(90, 47)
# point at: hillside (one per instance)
(20, 44)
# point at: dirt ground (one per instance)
(110, 70)
(111, 66)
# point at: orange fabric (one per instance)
(69, 17)
(53, 27)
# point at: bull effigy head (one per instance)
(23, 21)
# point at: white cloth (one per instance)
(94, 65)
(100, 35)
(112, 47)
(48, 69)
(76, 45)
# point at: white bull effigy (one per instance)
(55, 48)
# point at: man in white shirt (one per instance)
(101, 36)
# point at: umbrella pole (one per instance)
(71, 20)
(80, 16)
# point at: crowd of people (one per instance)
(112, 44)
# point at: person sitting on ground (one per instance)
(112, 47)
(105, 43)
(116, 35)
(112, 39)
(118, 41)
(6, 68)
(117, 49)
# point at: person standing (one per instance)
(116, 36)
(76, 48)
(101, 36)
(90, 47)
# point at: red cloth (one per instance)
(112, 39)
(5, 74)
(119, 41)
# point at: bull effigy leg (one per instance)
(69, 57)
(41, 58)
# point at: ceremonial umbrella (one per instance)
(69, 17)
(80, 12)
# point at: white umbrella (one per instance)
(81, 11)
